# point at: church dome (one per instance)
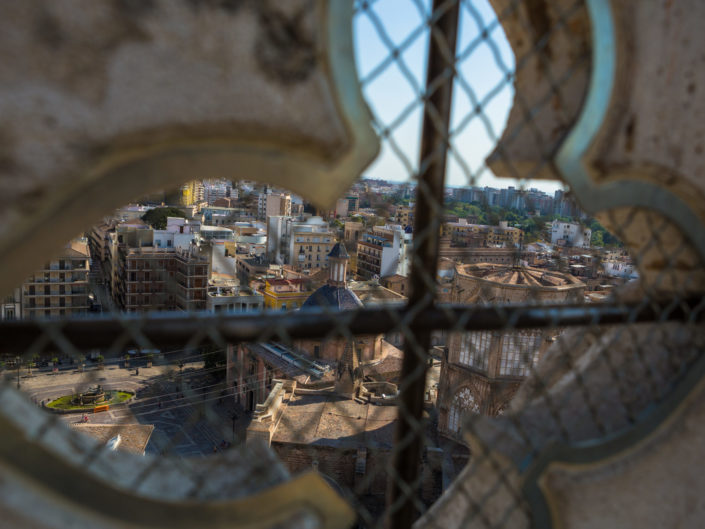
(335, 294)
(336, 298)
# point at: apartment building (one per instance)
(214, 190)
(309, 244)
(462, 233)
(383, 252)
(570, 234)
(404, 215)
(353, 203)
(159, 269)
(271, 204)
(503, 235)
(150, 278)
(60, 288)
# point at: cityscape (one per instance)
(368, 264)
(242, 248)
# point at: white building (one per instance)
(278, 236)
(620, 269)
(215, 189)
(179, 233)
(229, 296)
(384, 252)
(217, 234)
(570, 234)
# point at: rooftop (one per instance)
(519, 276)
(371, 293)
(289, 285)
(336, 298)
(330, 420)
(133, 437)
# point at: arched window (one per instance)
(463, 402)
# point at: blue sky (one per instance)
(393, 92)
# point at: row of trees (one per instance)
(534, 227)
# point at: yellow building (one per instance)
(502, 234)
(191, 193)
(286, 294)
(404, 215)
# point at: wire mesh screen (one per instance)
(401, 401)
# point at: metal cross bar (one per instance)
(432, 166)
(170, 329)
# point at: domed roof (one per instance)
(335, 298)
(522, 276)
(339, 251)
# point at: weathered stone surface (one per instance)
(590, 385)
(106, 101)
(656, 484)
(651, 139)
(552, 49)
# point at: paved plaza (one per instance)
(191, 419)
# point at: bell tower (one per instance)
(338, 266)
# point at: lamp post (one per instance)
(181, 371)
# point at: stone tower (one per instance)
(347, 376)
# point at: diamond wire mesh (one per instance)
(633, 364)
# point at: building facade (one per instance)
(61, 287)
(570, 234)
(270, 204)
(462, 233)
(286, 294)
(383, 252)
(309, 244)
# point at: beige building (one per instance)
(461, 233)
(61, 287)
(353, 231)
(404, 215)
(273, 204)
(309, 244)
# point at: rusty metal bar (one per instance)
(440, 74)
(166, 330)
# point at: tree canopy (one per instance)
(157, 217)
(534, 227)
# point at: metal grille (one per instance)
(644, 339)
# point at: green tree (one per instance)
(157, 217)
(602, 237)
(597, 239)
